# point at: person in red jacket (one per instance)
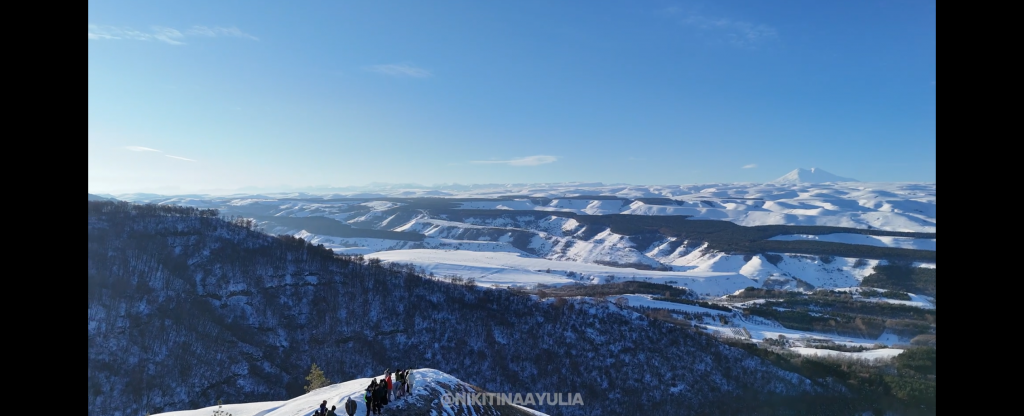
(387, 379)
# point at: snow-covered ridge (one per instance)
(429, 386)
(100, 198)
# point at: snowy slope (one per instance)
(511, 269)
(426, 399)
(99, 198)
(871, 354)
(840, 272)
(919, 301)
(707, 273)
(755, 328)
(871, 240)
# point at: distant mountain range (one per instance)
(377, 189)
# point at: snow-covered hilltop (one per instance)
(99, 198)
(812, 175)
(434, 393)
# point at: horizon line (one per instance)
(392, 186)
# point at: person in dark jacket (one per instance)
(350, 407)
(408, 380)
(380, 396)
(368, 396)
(323, 408)
(331, 412)
(399, 379)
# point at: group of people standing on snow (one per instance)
(379, 394)
(323, 411)
(350, 408)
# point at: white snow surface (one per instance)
(521, 270)
(757, 328)
(871, 240)
(242, 409)
(916, 300)
(870, 354)
(498, 262)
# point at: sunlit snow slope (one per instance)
(427, 398)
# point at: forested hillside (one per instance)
(186, 308)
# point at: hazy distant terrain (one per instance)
(762, 235)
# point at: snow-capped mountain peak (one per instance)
(812, 175)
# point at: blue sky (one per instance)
(186, 96)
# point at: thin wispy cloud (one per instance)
(166, 34)
(735, 32)
(111, 32)
(147, 149)
(100, 35)
(523, 161)
(163, 34)
(750, 166)
(400, 70)
(219, 31)
(181, 158)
